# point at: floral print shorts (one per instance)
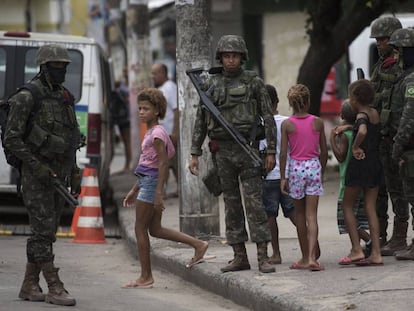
(305, 178)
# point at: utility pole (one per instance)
(139, 64)
(199, 212)
(115, 32)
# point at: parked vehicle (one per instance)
(89, 78)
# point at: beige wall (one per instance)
(45, 15)
(284, 45)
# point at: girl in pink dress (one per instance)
(305, 135)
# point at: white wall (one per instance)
(285, 45)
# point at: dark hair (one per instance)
(164, 69)
(347, 113)
(156, 98)
(271, 90)
(362, 91)
(299, 98)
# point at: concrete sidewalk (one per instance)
(389, 287)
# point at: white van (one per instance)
(89, 78)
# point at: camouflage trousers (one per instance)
(44, 207)
(407, 172)
(394, 183)
(236, 169)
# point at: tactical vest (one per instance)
(55, 134)
(234, 97)
(383, 81)
(392, 109)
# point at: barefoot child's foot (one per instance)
(139, 284)
(199, 253)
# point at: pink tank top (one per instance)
(304, 141)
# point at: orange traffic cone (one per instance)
(75, 218)
(89, 228)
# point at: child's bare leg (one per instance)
(156, 230)
(144, 214)
(126, 139)
(312, 221)
(370, 197)
(350, 196)
(274, 232)
(301, 229)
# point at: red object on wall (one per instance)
(330, 103)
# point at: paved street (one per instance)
(337, 288)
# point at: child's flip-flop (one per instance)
(297, 266)
(347, 260)
(194, 262)
(135, 285)
(317, 267)
(367, 262)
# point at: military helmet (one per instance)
(232, 43)
(402, 38)
(52, 53)
(384, 26)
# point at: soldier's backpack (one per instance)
(4, 112)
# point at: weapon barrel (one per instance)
(64, 193)
(208, 104)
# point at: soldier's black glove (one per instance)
(75, 184)
(42, 173)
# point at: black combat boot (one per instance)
(398, 240)
(57, 295)
(407, 253)
(263, 259)
(240, 261)
(31, 289)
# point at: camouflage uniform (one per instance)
(403, 148)
(385, 74)
(240, 96)
(50, 146)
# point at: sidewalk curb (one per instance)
(233, 286)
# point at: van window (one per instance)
(2, 73)
(73, 80)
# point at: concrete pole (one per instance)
(199, 212)
(139, 65)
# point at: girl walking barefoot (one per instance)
(364, 171)
(308, 156)
(147, 193)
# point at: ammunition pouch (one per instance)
(212, 181)
(407, 168)
(45, 143)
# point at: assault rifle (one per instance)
(64, 193)
(194, 75)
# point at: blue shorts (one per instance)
(273, 197)
(147, 186)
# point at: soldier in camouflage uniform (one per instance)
(47, 151)
(390, 118)
(241, 97)
(385, 73)
(403, 148)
